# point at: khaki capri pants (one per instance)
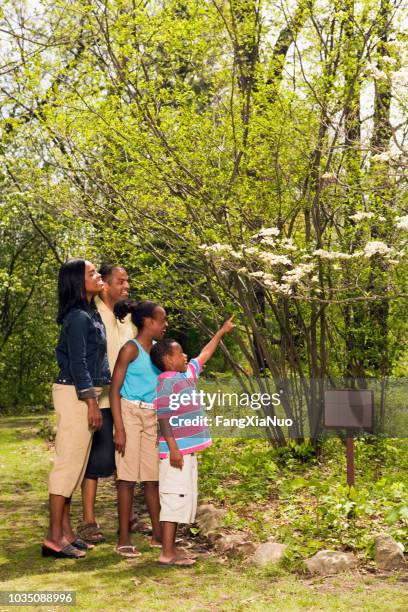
(72, 442)
(140, 462)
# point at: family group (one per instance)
(117, 372)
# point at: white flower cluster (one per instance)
(284, 289)
(386, 59)
(361, 216)
(268, 258)
(215, 248)
(249, 250)
(288, 245)
(401, 75)
(288, 281)
(267, 241)
(274, 260)
(381, 157)
(375, 72)
(294, 276)
(268, 281)
(219, 249)
(394, 154)
(376, 248)
(402, 222)
(247, 260)
(334, 254)
(266, 232)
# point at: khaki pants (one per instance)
(72, 442)
(140, 462)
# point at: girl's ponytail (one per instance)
(138, 310)
(122, 308)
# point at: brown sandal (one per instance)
(128, 551)
(136, 526)
(178, 562)
(139, 526)
(90, 532)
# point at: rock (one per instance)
(269, 552)
(209, 519)
(388, 553)
(330, 562)
(232, 544)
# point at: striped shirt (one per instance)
(175, 401)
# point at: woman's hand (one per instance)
(119, 439)
(94, 415)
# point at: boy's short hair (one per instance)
(159, 350)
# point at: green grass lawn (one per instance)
(104, 581)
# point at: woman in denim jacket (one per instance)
(83, 371)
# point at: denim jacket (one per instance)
(81, 352)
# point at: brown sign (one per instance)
(348, 409)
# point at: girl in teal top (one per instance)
(134, 378)
(140, 378)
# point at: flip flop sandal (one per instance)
(188, 555)
(178, 562)
(128, 551)
(140, 526)
(68, 552)
(176, 541)
(81, 544)
(90, 532)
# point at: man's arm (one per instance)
(127, 353)
(208, 351)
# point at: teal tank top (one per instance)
(140, 378)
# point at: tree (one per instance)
(218, 148)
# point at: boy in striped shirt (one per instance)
(183, 433)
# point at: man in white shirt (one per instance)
(101, 462)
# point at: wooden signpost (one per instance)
(352, 410)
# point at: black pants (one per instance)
(101, 463)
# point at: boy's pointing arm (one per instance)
(209, 349)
